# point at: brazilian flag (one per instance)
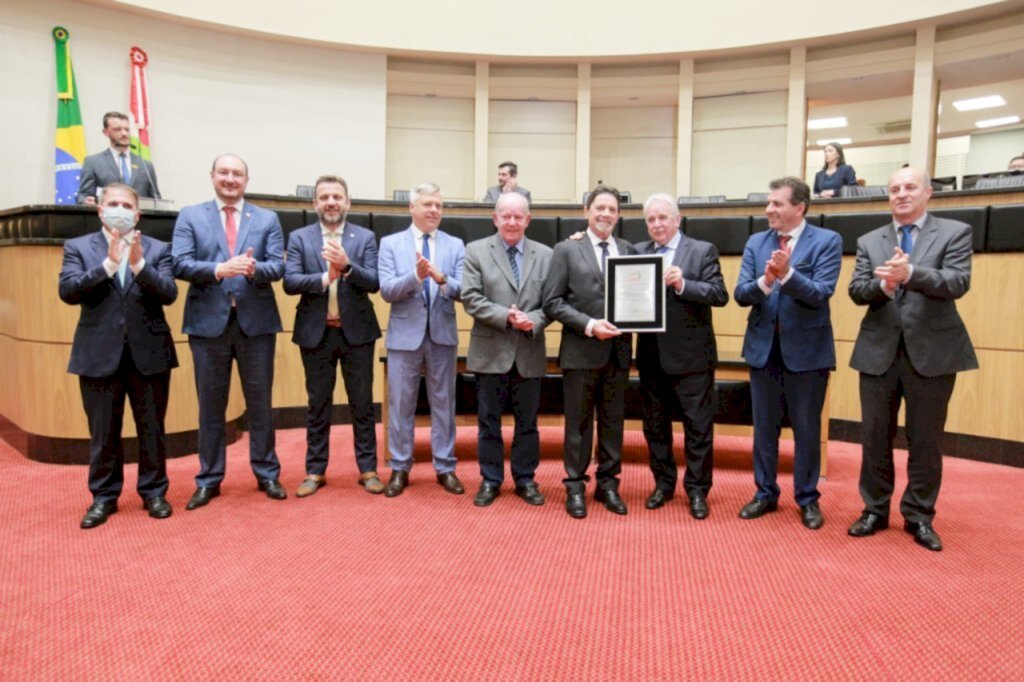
(70, 140)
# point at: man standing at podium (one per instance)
(910, 347)
(116, 164)
(230, 252)
(122, 280)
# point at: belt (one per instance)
(334, 324)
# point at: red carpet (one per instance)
(344, 585)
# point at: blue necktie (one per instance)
(512, 261)
(426, 282)
(604, 253)
(906, 240)
(122, 269)
(126, 175)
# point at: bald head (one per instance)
(909, 191)
(512, 200)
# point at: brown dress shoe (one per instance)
(397, 483)
(310, 485)
(371, 482)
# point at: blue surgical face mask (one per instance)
(119, 219)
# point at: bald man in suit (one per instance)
(910, 347)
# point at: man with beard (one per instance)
(332, 264)
(116, 164)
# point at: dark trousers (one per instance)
(774, 391)
(496, 392)
(212, 359)
(693, 395)
(321, 366)
(927, 400)
(587, 390)
(103, 399)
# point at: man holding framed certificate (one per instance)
(677, 365)
(594, 354)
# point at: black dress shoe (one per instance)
(758, 507)
(159, 507)
(487, 494)
(811, 515)
(97, 514)
(531, 493)
(699, 507)
(924, 535)
(451, 483)
(659, 498)
(867, 524)
(273, 489)
(576, 505)
(397, 483)
(201, 497)
(611, 501)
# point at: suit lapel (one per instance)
(112, 163)
(316, 240)
(925, 239)
(590, 257)
(805, 242)
(217, 228)
(244, 225)
(499, 255)
(529, 259)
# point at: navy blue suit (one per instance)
(789, 347)
(122, 347)
(235, 317)
(323, 347)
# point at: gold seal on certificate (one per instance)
(634, 293)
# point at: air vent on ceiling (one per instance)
(892, 127)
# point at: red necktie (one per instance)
(230, 228)
(784, 242)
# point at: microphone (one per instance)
(149, 176)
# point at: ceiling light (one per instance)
(976, 103)
(825, 123)
(837, 140)
(993, 122)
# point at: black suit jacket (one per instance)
(100, 170)
(303, 274)
(573, 295)
(110, 312)
(687, 345)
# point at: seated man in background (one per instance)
(122, 280)
(508, 181)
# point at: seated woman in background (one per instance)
(834, 174)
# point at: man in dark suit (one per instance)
(116, 164)
(501, 290)
(787, 276)
(911, 344)
(333, 265)
(677, 366)
(421, 277)
(508, 181)
(122, 281)
(230, 252)
(594, 355)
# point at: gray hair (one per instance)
(506, 197)
(423, 188)
(658, 197)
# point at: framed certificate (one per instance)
(634, 293)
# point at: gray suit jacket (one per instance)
(573, 295)
(100, 170)
(488, 291)
(493, 193)
(923, 311)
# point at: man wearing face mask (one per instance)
(122, 280)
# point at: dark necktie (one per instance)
(426, 282)
(512, 261)
(604, 253)
(126, 175)
(906, 239)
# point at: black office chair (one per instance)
(1001, 181)
(759, 197)
(865, 191)
(304, 191)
